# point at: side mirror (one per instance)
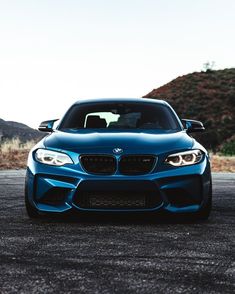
(47, 126)
(192, 126)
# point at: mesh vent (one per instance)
(54, 196)
(117, 199)
(180, 198)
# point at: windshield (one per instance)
(120, 116)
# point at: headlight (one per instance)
(184, 158)
(52, 157)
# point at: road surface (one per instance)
(116, 255)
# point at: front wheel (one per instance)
(30, 209)
(204, 213)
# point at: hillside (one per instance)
(10, 129)
(206, 96)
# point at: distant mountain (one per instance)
(11, 129)
(17, 124)
(206, 96)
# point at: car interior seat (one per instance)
(94, 121)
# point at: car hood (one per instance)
(130, 142)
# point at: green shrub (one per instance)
(228, 148)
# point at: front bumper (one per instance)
(178, 190)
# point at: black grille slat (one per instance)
(99, 164)
(136, 164)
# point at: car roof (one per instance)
(120, 100)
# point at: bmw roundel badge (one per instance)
(117, 150)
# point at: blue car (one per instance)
(122, 156)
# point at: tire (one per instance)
(30, 209)
(204, 213)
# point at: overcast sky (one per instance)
(55, 52)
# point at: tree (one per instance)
(209, 65)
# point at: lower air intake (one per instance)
(117, 200)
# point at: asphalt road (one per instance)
(116, 255)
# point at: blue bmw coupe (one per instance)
(119, 155)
